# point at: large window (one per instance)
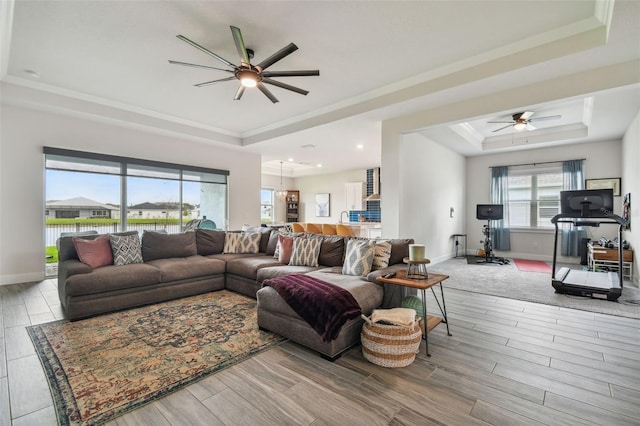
(534, 196)
(266, 206)
(86, 191)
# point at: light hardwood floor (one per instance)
(508, 362)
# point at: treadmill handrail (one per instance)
(612, 218)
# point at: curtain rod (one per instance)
(535, 164)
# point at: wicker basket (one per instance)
(390, 345)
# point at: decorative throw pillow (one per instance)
(358, 257)
(231, 242)
(126, 249)
(235, 242)
(286, 248)
(305, 252)
(94, 253)
(382, 253)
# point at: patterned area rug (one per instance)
(102, 367)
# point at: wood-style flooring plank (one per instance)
(28, 388)
(617, 375)
(523, 342)
(145, 415)
(494, 414)
(626, 394)
(5, 406)
(589, 412)
(233, 409)
(603, 347)
(44, 417)
(183, 408)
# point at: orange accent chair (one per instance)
(312, 228)
(344, 230)
(328, 229)
(297, 227)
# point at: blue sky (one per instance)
(61, 185)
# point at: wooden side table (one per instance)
(430, 321)
(416, 269)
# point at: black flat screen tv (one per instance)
(489, 211)
(587, 203)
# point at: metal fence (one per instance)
(53, 232)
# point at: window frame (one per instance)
(272, 204)
(534, 201)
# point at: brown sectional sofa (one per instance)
(190, 263)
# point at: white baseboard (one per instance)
(21, 278)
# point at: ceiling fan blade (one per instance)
(285, 51)
(549, 117)
(301, 73)
(285, 86)
(267, 93)
(526, 114)
(209, 83)
(237, 38)
(500, 122)
(239, 93)
(502, 128)
(530, 126)
(205, 50)
(186, 64)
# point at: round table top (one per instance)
(418, 262)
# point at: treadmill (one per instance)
(588, 208)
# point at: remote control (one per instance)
(390, 275)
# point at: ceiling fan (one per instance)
(250, 75)
(522, 121)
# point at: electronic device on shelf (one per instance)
(490, 212)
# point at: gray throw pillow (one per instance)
(358, 257)
(305, 251)
(126, 249)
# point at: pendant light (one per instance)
(281, 193)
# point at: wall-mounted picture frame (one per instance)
(323, 204)
(608, 183)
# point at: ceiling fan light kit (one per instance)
(522, 120)
(250, 75)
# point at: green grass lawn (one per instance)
(51, 251)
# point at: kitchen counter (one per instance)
(366, 229)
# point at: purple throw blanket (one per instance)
(325, 306)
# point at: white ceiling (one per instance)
(377, 60)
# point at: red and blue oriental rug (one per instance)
(105, 366)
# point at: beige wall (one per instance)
(631, 184)
(25, 132)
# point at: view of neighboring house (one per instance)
(81, 208)
(149, 210)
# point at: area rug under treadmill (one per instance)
(102, 367)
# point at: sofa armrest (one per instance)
(71, 267)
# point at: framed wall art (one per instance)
(323, 204)
(608, 183)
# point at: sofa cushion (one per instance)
(112, 278)
(156, 245)
(209, 241)
(278, 271)
(381, 255)
(359, 257)
(331, 251)
(368, 295)
(126, 249)
(305, 251)
(399, 250)
(273, 242)
(177, 268)
(248, 267)
(96, 252)
(67, 251)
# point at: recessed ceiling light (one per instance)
(319, 165)
(308, 146)
(360, 146)
(290, 160)
(32, 73)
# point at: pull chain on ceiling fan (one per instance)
(522, 121)
(250, 75)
